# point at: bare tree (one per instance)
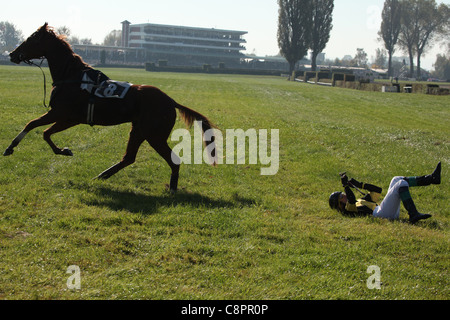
(390, 28)
(380, 58)
(322, 23)
(421, 22)
(361, 58)
(432, 23)
(72, 39)
(409, 30)
(113, 38)
(294, 29)
(64, 30)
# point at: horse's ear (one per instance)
(44, 27)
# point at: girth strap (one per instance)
(91, 103)
(90, 113)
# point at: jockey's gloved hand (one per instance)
(355, 183)
(344, 180)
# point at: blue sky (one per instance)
(356, 23)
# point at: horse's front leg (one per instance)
(58, 127)
(46, 119)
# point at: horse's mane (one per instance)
(62, 39)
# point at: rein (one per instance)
(31, 63)
(91, 105)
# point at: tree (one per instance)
(87, 41)
(113, 38)
(432, 22)
(322, 23)
(446, 25)
(380, 59)
(442, 67)
(409, 30)
(361, 58)
(397, 66)
(64, 31)
(421, 22)
(294, 29)
(72, 39)
(10, 36)
(390, 28)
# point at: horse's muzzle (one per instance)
(16, 57)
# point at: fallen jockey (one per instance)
(347, 204)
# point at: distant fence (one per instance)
(207, 68)
(349, 81)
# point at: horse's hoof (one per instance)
(171, 191)
(102, 176)
(66, 152)
(8, 152)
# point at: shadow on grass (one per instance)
(432, 224)
(138, 202)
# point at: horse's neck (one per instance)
(63, 66)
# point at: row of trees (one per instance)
(72, 39)
(11, 36)
(112, 39)
(413, 26)
(304, 25)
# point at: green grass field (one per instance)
(229, 233)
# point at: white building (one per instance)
(185, 45)
(178, 45)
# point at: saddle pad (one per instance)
(106, 89)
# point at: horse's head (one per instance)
(32, 48)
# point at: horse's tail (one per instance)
(189, 116)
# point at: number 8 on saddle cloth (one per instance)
(98, 84)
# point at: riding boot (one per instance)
(434, 178)
(408, 203)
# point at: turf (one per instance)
(229, 233)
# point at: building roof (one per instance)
(191, 28)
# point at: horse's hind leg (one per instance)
(172, 160)
(134, 142)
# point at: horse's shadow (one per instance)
(147, 204)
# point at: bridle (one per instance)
(31, 63)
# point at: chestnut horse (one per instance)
(151, 112)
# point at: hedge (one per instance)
(151, 67)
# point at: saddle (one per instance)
(101, 86)
(97, 83)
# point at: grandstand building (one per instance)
(175, 45)
(180, 45)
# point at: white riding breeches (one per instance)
(390, 206)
